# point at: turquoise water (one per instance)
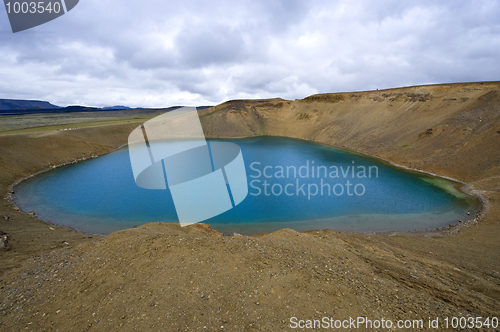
(358, 194)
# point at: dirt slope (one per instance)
(448, 129)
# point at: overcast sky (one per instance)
(159, 53)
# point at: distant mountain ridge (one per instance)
(23, 107)
(118, 107)
(14, 104)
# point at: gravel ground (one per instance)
(161, 277)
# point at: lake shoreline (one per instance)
(443, 231)
(465, 188)
(11, 189)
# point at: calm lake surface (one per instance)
(292, 184)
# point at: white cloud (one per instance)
(159, 53)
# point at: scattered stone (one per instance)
(4, 240)
(304, 116)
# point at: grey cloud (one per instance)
(204, 45)
(159, 53)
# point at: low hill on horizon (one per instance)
(117, 107)
(24, 107)
(15, 104)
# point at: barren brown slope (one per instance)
(448, 129)
(23, 155)
(162, 277)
